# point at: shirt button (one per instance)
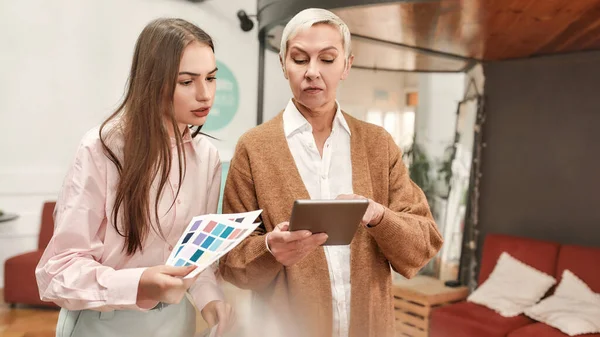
(175, 185)
(179, 201)
(170, 248)
(324, 177)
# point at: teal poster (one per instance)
(227, 100)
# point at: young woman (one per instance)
(135, 183)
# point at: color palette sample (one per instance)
(209, 237)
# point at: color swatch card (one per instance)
(208, 237)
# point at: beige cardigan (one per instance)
(263, 175)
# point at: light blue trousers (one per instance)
(175, 320)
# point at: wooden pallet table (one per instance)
(415, 298)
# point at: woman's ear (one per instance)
(283, 67)
(348, 66)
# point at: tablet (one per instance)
(338, 218)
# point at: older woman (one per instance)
(313, 150)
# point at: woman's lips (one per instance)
(313, 90)
(202, 112)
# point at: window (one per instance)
(375, 117)
(401, 125)
(407, 130)
(391, 122)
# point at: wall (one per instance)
(540, 167)
(277, 91)
(64, 64)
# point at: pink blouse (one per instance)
(85, 265)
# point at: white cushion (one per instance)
(574, 308)
(512, 287)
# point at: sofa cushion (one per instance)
(467, 319)
(541, 330)
(512, 287)
(541, 255)
(573, 309)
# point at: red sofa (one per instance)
(20, 285)
(466, 319)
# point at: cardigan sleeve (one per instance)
(249, 265)
(407, 234)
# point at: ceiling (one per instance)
(452, 35)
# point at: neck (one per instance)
(181, 129)
(321, 119)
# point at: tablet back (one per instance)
(338, 218)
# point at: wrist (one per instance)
(143, 301)
(146, 304)
(267, 242)
(377, 220)
(141, 296)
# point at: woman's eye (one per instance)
(210, 79)
(299, 61)
(185, 83)
(328, 61)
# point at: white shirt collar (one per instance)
(293, 120)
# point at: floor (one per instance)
(39, 322)
(22, 322)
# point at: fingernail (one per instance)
(307, 234)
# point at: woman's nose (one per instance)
(312, 70)
(202, 93)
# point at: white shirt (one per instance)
(325, 178)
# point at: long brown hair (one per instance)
(148, 102)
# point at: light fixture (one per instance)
(245, 23)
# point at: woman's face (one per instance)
(315, 64)
(196, 85)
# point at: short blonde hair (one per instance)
(308, 18)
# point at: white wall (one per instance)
(63, 66)
(277, 89)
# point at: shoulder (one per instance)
(109, 135)
(95, 139)
(206, 148)
(91, 151)
(263, 134)
(91, 138)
